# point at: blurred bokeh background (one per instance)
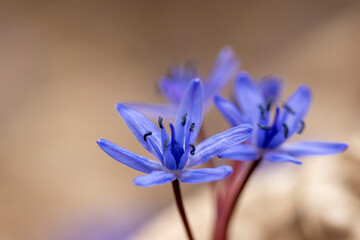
(64, 65)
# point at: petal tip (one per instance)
(101, 142)
(138, 183)
(120, 106)
(243, 75)
(343, 147)
(228, 170)
(305, 90)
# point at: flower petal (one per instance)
(140, 125)
(128, 158)
(191, 105)
(248, 97)
(241, 152)
(295, 111)
(169, 160)
(313, 148)
(281, 157)
(154, 178)
(223, 70)
(218, 143)
(172, 90)
(204, 174)
(230, 112)
(300, 102)
(184, 158)
(166, 111)
(271, 87)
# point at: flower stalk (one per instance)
(180, 206)
(233, 192)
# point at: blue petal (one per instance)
(271, 87)
(169, 159)
(242, 152)
(128, 158)
(166, 111)
(139, 125)
(184, 158)
(171, 90)
(157, 150)
(223, 70)
(154, 178)
(218, 143)
(299, 103)
(248, 97)
(204, 174)
(313, 148)
(191, 105)
(230, 112)
(281, 157)
(261, 135)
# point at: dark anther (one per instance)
(289, 109)
(302, 127)
(192, 125)
(264, 127)
(286, 130)
(146, 135)
(268, 104)
(262, 111)
(161, 126)
(192, 151)
(166, 144)
(183, 119)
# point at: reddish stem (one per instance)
(180, 205)
(233, 192)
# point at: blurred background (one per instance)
(64, 65)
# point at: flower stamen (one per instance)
(146, 135)
(166, 144)
(302, 127)
(183, 119)
(160, 120)
(192, 151)
(264, 127)
(192, 125)
(289, 109)
(286, 130)
(262, 111)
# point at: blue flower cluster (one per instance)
(256, 101)
(175, 155)
(254, 135)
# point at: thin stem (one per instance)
(233, 193)
(180, 206)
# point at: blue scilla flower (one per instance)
(256, 100)
(174, 84)
(175, 155)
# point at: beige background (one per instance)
(64, 65)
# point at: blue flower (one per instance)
(256, 101)
(177, 154)
(173, 86)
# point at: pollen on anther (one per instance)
(161, 126)
(302, 127)
(192, 151)
(183, 119)
(192, 125)
(146, 135)
(264, 127)
(286, 130)
(262, 111)
(269, 104)
(166, 144)
(289, 109)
